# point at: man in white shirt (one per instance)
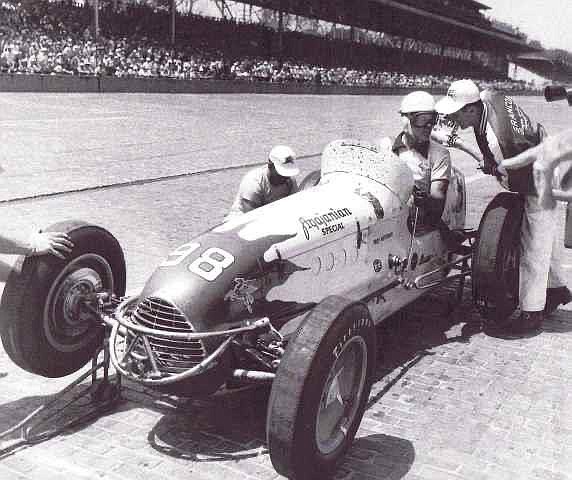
(268, 183)
(429, 161)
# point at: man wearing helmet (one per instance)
(268, 183)
(429, 161)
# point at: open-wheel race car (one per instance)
(288, 294)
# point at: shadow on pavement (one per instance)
(223, 427)
(559, 322)
(32, 420)
(392, 456)
(408, 336)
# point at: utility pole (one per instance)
(280, 31)
(173, 11)
(96, 19)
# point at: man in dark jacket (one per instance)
(503, 130)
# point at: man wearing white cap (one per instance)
(268, 183)
(503, 130)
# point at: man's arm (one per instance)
(454, 141)
(435, 203)
(295, 186)
(545, 157)
(247, 205)
(440, 175)
(249, 195)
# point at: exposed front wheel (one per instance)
(46, 323)
(321, 389)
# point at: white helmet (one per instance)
(418, 101)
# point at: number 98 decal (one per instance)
(209, 265)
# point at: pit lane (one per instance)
(128, 169)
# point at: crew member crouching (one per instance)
(268, 183)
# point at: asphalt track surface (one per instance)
(157, 170)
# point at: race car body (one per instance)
(343, 236)
(287, 292)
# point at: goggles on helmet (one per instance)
(423, 119)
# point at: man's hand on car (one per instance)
(54, 243)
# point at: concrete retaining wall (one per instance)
(79, 84)
(65, 83)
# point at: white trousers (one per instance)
(539, 267)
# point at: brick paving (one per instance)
(446, 404)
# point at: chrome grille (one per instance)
(172, 355)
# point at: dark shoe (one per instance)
(527, 322)
(556, 297)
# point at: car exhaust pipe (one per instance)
(252, 376)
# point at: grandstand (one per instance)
(555, 65)
(366, 43)
(410, 34)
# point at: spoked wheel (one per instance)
(67, 323)
(46, 323)
(496, 259)
(320, 392)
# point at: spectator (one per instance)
(40, 31)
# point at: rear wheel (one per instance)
(45, 324)
(321, 389)
(496, 258)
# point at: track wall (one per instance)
(88, 84)
(64, 83)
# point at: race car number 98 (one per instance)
(209, 265)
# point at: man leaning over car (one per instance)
(503, 130)
(268, 183)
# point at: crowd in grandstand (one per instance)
(55, 38)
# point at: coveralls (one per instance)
(505, 131)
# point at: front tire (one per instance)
(496, 259)
(44, 325)
(321, 389)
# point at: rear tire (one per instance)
(43, 327)
(496, 259)
(321, 389)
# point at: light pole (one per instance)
(173, 12)
(96, 18)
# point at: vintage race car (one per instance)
(288, 294)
